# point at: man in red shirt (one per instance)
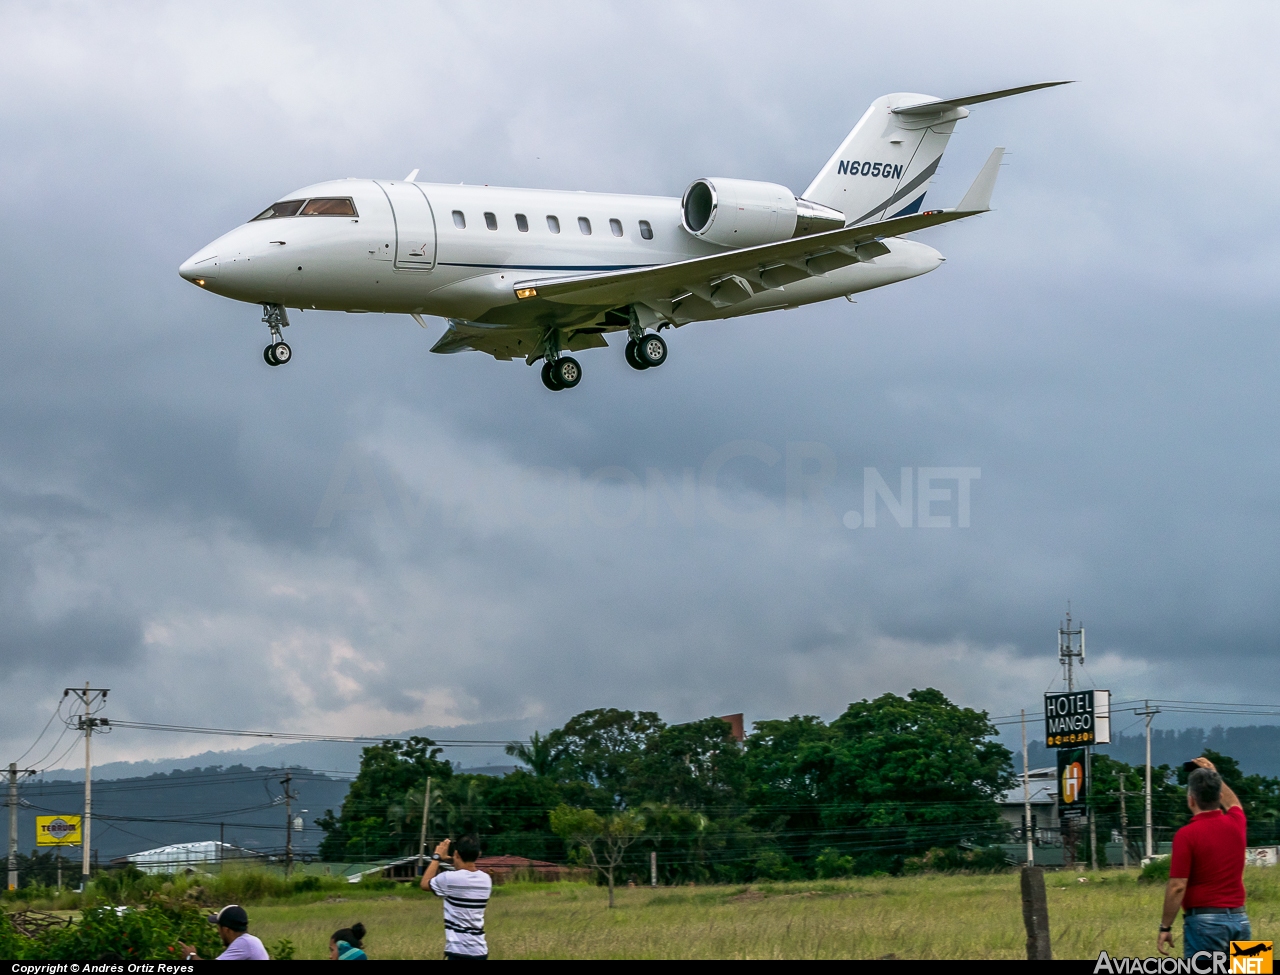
(1206, 873)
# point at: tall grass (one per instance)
(929, 917)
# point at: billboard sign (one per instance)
(58, 831)
(1073, 785)
(1077, 718)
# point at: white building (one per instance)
(1044, 807)
(184, 856)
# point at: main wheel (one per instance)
(567, 372)
(548, 376)
(652, 350)
(633, 360)
(281, 353)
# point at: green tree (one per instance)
(541, 755)
(698, 765)
(603, 841)
(887, 779)
(382, 811)
(601, 747)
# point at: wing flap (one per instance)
(773, 265)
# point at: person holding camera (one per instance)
(1206, 871)
(465, 889)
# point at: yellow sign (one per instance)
(58, 831)
(1251, 957)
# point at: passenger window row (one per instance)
(553, 224)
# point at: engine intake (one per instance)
(744, 213)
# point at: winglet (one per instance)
(938, 105)
(978, 198)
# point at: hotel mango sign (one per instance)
(58, 831)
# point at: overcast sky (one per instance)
(1102, 348)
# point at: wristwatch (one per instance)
(434, 856)
(1164, 929)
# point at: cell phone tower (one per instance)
(1070, 649)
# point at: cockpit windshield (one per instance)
(320, 207)
(286, 208)
(329, 208)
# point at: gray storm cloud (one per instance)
(376, 538)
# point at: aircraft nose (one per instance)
(200, 267)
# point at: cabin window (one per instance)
(339, 207)
(646, 231)
(522, 223)
(553, 224)
(459, 220)
(616, 227)
(490, 221)
(285, 208)
(585, 226)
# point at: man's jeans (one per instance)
(1213, 932)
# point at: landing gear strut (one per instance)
(276, 318)
(558, 371)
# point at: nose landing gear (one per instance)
(276, 318)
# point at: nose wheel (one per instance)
(277, 354)
(561, 373)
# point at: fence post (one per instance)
(1035, 914)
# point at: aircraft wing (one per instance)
(721, 280)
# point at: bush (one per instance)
(1156, 871)
(117, 934)
(982, 859)
(831, 863)
(772, 865)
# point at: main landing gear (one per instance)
(563, 372)
(276, 318)
(648, 352)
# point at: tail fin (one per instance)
(884, 167)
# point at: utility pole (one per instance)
(1124, 823)
(653, 868)
(1148, 712)
(422, 837)
(14, 772)
(288, 823)
(87, 722)
(1026, 795)
(1093, 820)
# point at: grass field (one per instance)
(930, 916)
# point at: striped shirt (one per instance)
(466, 894)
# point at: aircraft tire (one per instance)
(567, 372)
(281, 353)
(652, 350)
(266, 355)
(633, 360)
(548, 379)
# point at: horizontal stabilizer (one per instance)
(939, 105)
(979, 196)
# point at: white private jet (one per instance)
(538, 273)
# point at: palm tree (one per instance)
(540, 754)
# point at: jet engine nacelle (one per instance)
(744, 213)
